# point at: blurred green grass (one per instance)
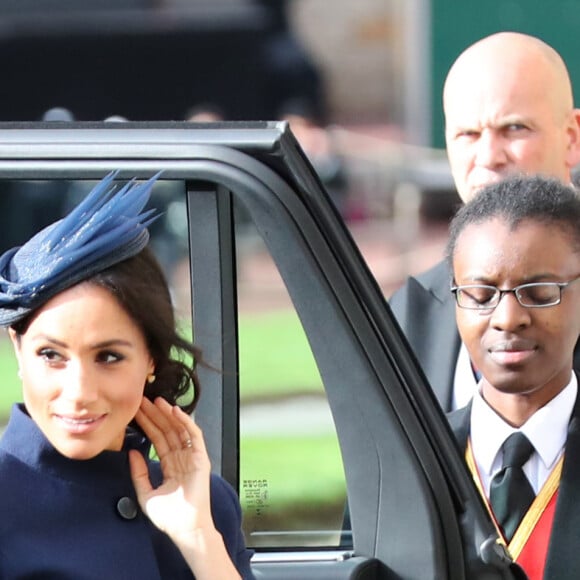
(10, 390)
(281, 461)
(275, 357)
(291, 484)
(303, 474)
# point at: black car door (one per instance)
(412, 510)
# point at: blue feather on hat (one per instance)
(107, 227)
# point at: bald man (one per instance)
(509, 109)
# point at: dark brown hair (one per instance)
(141, 289)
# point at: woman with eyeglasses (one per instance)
(106, 377)
(514, 251)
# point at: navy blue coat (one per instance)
(76, 520)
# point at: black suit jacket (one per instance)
(425, 310)
(564, 549)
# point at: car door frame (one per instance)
(396, 445)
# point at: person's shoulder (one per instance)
(577, 358)
(11, 468)
(459, 422)
(436, 276)
(435, 281)
(227, 516)
(223, 494)
(6, 467)
(16, 486)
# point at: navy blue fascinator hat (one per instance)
(107, 227)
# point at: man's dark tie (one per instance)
(510, 493)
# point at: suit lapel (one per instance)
(460, 421)
(425, 310)
(441, 359)
(564, 551)
(440, 355)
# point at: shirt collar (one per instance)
(547, 428)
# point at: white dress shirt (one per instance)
(464, 382)
(547, 430)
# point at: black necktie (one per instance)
(510, 493)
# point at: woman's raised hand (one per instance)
(180, 506)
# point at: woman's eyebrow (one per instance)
(103, 344)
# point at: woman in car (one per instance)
(105, 375)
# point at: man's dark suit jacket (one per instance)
(425, 310)
(563, 553)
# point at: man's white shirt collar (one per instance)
(547, 430)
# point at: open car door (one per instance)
(413, 509)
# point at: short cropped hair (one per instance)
(517, 199)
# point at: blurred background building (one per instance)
(376, 62)
(360, 82)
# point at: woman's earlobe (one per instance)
(15, 339)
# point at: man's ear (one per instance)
(573, 132)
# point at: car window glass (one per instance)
(292, 484)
